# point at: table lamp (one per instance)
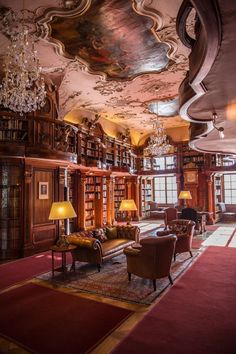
(185, 195)
(61, 211)
(128, 205)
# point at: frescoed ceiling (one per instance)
(120, 59)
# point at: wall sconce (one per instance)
(220, 129)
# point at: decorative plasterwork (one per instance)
(121, 45)
(166, 108)
(120, 102)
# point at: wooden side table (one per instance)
(63, 251)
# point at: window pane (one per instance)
(233, 192)
(227, 200)
(226, 178)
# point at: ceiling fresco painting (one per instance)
(106, 38)
(110, 57)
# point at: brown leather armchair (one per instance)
(184, 230)
(170, 214)
(152, 260)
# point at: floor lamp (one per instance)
(62, 211)
(128, 205)
(185, 195)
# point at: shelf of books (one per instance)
(13, 129)
(119, 194)
(146, 196)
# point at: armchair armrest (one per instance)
(87, 242)
(164, 233)
(129, 251)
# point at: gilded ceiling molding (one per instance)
(103, 44)
(50, 13)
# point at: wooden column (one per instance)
(129, 189)
(109, 200)
(137, 196)
(140, 196)
(27, 211)
(63, 192)
(210, 192)
(112, 206)
(179, 183)
(81, 206)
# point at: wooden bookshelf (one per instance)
(147, 196)
(10, 211)
(110, 152)
(13, 129)
(120, 193)
(218, 189)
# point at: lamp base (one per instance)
(62, 241)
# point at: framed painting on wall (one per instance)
(43, 190)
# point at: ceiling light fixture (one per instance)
(220, 129)
(22, 89)
(158, 144)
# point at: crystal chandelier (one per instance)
(22, 89)
(157, 145)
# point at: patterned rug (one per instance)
(113, 282)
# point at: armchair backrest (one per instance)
(189, 214)
(182, 226)
(156, 255)
(130, 232)
(170, 214)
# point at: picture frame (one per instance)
(43, 190)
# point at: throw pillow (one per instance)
(100, 235)
(111, 232)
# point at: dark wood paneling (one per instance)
(44, 236)
(41, 207)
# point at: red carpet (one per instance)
(197, 315)
(26, 268)
(46, 321)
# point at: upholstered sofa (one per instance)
(102, 244)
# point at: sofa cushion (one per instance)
(112, 246)
(87, 242)
(111, 232)
(100, 234)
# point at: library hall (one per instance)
(117, 176)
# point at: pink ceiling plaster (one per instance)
(122, 102)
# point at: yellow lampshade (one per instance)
(127, 205)
(185, 195)
(62, 210)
